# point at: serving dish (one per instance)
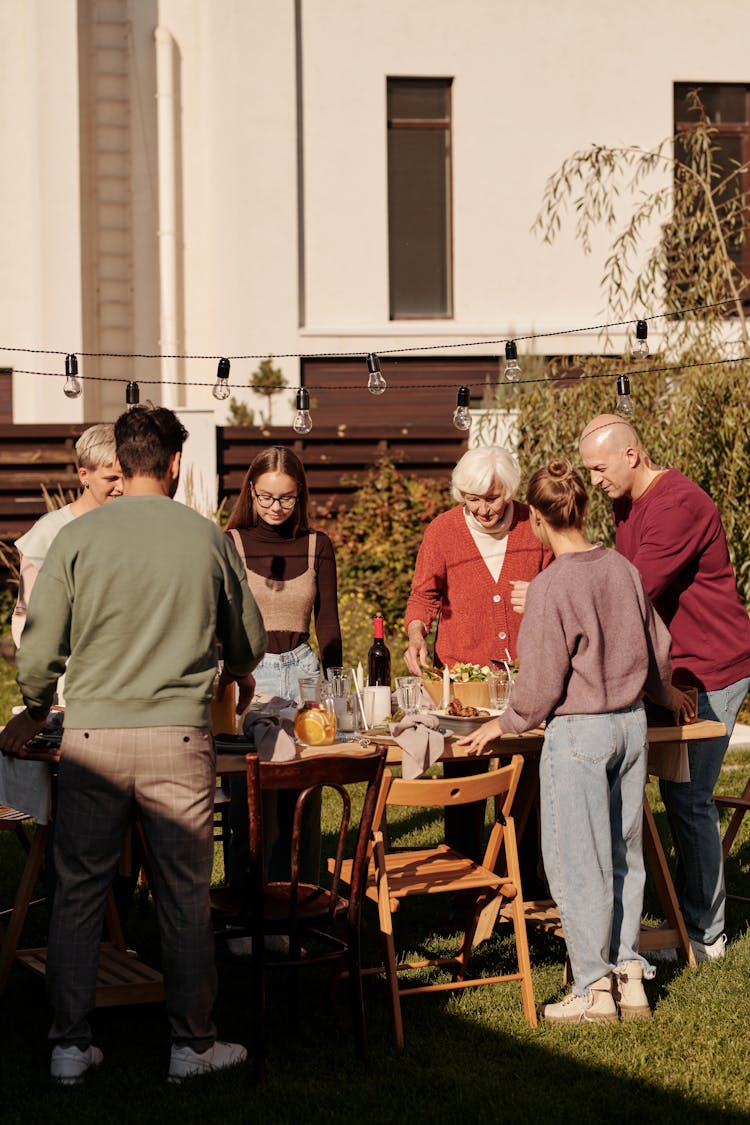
(465, 724)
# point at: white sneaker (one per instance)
(274, 943)
(703, 951)
(710, 952)
(69, 1064)
(184, 1062)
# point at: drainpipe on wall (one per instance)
(168, 251)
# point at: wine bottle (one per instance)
(379, 657)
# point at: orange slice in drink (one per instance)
(311, 727)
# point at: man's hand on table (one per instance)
(17, 733)
(684, 706)
(476, 742)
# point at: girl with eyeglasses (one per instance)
(291, 570)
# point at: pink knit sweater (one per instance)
(451, 579)
(591, 642)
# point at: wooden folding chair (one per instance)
(740, 806)
(395, 875)
(320, 917)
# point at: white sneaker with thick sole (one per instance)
(184, 1062)
(69, 1064)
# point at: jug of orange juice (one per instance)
(315, 721)
(224, 710)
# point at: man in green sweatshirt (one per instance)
(130, 606)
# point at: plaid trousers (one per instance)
(168, 773)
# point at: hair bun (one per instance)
(559, 470)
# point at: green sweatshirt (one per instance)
(129, 602)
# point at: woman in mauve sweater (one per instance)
(590, 645)
(291, 571)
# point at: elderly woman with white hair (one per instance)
(101, 480)
(473, 567)
(472, 571)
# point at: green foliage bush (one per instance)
(376, 543)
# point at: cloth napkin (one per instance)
(421, 741)
(25, 786)
(271, 733)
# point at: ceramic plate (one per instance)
(468, 724)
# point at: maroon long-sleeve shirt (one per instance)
(673, 535)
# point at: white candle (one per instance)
(446, 688)
(360, 676)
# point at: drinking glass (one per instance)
(499, 684)
(407, 693)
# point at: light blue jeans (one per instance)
(592, 776)
(694, 819)
(278, 674)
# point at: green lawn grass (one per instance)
(468, 1055)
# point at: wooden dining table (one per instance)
(124, 979)
(666, 744)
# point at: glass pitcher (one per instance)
(315, 721)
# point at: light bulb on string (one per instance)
(461, 415)
(376, 384)
(220, 388)
(132, 395)
(302, 423)
(625, 405)
(72, 386)
(512, 367)
(641, 335)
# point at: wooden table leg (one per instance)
(27, 882)
(676, 935)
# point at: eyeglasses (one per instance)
(265, 500)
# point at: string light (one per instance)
(376, 384)
(461, 415)
(72, 386)
(221, 386)
(624, 401)
(132, 395)
(302, 423)
(641, 335)
(512, 367)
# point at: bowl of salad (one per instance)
(468, 684)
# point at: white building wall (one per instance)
(531, 83)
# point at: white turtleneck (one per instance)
(491, 543)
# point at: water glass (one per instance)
(499, 684)
(407, 693)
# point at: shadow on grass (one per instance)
(470, 1057)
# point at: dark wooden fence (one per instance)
(33, 456)
(334, 456)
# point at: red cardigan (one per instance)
(477, 622)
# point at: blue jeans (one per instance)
(278, 674)
(694, 819)
(592, 776)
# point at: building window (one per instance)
(419, 197)
(727, 107)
